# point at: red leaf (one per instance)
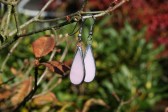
(42, 46)
(57, 67)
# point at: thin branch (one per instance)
(70, 16)
(60, 18)
(8, 19)
(10, 79)
(33, 19)
(24, 25)
(45, 90)
(65, 52)
(16, 19)
(29, 69)
(109, 10)
(73, 18)
(3, 20)
(44, 8)
(9, 2)
(55, 85)
(10, 53)
(42, 76)
(78, 17)
(46, 70)
(84, 5)
(122, 103)
(92, 12)
(9, 43)
(56, 27)
(49, 83)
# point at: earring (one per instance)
(77, 72)
(90, 66)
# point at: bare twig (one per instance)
(10, 79)
(10, 53)
(8, 19)
(16, 19)
(46, 70)
(116, 97)
(33, 19)
(77, 17)
(109, 10)
(24, 25)
(29, 69)
(84, 5)
(73, 18)
(70, 16)
(122, 103)
(9, 2)
(57, 19)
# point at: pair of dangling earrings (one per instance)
(83, 66)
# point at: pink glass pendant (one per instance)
(90, 67)
(77, 72)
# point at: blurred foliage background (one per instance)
(130, 50)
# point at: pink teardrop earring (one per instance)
(90, 66)
(77, 72)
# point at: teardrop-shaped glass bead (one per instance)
(90, 67)
(77, 72)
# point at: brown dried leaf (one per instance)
(14, 71)
(5, 93)
(48, 65)
(17, 73)
(42, 46)
(44, 99)
(21, 92)
(57, 67)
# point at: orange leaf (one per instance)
(48, 65)
(57, 67)
(15, 72)
(42, 46)
(21, 92)
(5, 93)
(44, 99)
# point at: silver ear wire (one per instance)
(91, 30)
(80, 30)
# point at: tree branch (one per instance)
(84, 5)
(16, 19)
(8, 19)
(9, 2)
(33, 19)
(74, 17)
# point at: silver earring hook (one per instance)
(80, 30)
(91, 30)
